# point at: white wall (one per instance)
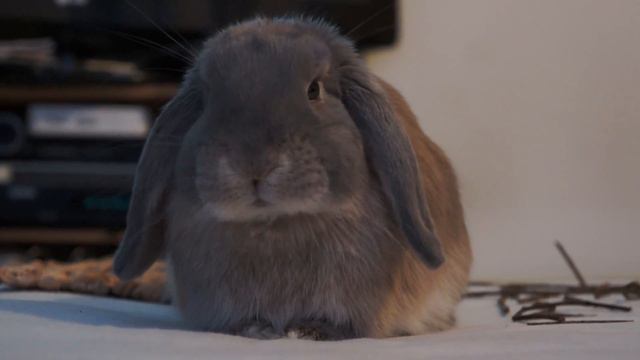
(538, 105)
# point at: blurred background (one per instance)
(537, 103)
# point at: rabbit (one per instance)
(292, 191)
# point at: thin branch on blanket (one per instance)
(541, 297)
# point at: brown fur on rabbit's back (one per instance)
(434, 302)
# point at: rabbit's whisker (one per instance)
(189, 51)
(370, 18)
(152, 44)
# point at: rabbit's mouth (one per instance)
(269, 198)
(280, 194)
(260, 210)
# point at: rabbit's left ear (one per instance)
(391, 157)
(145, 236)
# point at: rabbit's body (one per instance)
(316, 221)
(334, 267)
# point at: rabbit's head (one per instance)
(273, 138)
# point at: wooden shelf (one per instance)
(51, 236)
(143, 93)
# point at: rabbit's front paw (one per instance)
(320, 331)
(306, 333)
(259, 330)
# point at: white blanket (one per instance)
(39, 325)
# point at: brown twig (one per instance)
(571, 264)
(539, 295)
(630, 291)
(569, 300)
(548, 314)
(579, 322)
(549, 308)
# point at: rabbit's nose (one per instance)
(266, 173)
(272, 179)
(255, 182)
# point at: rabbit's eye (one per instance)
(313, 91)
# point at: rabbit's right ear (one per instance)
(144, 239)
(392, 159)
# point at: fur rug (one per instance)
(92, 276)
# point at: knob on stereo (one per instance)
(12, 133)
